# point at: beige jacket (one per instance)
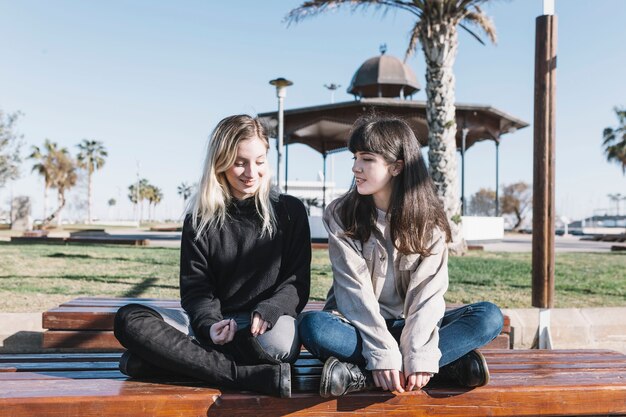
(358, 281)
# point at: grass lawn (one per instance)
(37, 277)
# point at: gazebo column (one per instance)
(497, 177)
(464, 137)
(286, 164)
(324, 155)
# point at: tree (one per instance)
(483, 203)
(154, 195)
(615, 140)
(10, 144)
(63, 177)
(185, 190)
(435, 29)
(310, 202)
(44, 166)
(516, 199)
(137, 193)
(91, 157)
(111, 203)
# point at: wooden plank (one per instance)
(104, 340)
(524, 383)
(98, 313)
(132, 398)
(59, 357)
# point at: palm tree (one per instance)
(435, 28)
(62, 177)
(44, 167)
(154, 195)
(615, 140)
(137, 193)
(185, 190)
(91, 156)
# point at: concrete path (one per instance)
(523, 243)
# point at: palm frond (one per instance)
(315, 7)
(483, 22)
(414, 38)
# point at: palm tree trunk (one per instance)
(56, 215)
(89, 189)
(440, 43)
(45, 200)
(61, 202)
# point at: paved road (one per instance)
(510, 243)
(523, 243)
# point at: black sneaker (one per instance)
(340, 378)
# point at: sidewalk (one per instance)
(518, 242)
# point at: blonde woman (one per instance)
(244, 277)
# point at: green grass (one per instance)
(38, 277)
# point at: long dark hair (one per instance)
(414, 208)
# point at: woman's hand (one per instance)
(389, 379)
(417, 380)
(258, 325)
(223, 331)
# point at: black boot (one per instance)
(470, 370)
(339, 378)
(136, 367)
(267, 379)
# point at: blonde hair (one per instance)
(208, 205)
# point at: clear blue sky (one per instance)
(150, 79)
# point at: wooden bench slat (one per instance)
(59, 357)
(76, 397)
(65, 366)
(553, 387)
(98, 314)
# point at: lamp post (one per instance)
(281, 85)
(332, 87)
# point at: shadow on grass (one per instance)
(140, 288)
(147, 282)
(87, 256)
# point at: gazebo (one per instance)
(383, 84)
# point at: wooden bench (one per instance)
(86, 323)
(81, 240)
(523, 383)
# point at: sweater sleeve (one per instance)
(424, 307)
(197, 282)
(292, 290)
(355, 297)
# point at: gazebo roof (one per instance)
(326, 128)
(383, 76)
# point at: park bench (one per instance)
(79, 240)
(523, 383)
(86, 323)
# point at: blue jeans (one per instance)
(462, 330)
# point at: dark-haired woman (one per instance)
(385, 322)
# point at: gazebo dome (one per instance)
(383, 76)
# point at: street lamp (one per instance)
(281, 85)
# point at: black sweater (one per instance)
(232, 269)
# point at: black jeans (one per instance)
(144, 333)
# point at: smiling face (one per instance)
(373, 176)
(245, 175)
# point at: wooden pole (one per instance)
(544, 158)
